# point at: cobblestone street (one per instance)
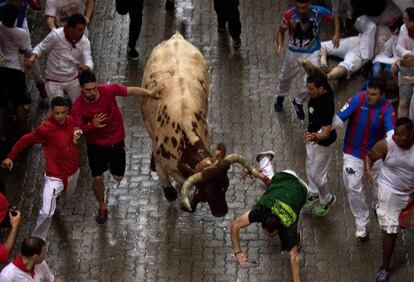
(148, 238)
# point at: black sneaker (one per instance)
(279, 103)
(236, 42)
(132, 54)
(382, 275)
(102, 216)
(298, 109)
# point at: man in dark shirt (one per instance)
(318, 139)
(277, 210)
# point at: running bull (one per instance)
(177, 125)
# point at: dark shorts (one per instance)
(102, 158)
(12, 88)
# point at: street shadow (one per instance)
(67, 257)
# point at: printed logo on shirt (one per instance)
(346, 106)
(285, 213)
(311, 110)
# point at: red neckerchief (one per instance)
(71, 40)
(405, 148)
(18, 262)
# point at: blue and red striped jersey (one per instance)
(366, 125)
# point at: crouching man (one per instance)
(277, 210)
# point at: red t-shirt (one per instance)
(4, 254)
(83, 113)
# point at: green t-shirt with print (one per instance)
(285, 196)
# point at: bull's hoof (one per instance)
(169, 5)
(170, 193)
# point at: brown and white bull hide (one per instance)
(180, 115)
(178, 128)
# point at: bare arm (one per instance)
(318, 136)
(11, 239)
(379, 151)
(142, 92)
(50, 21)
(280, 41)
(89, 10)
(407, 60)
(240, 222)
(337, 31)
(294, 264)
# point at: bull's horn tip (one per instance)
(187, 205)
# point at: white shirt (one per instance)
(12, 41)
(405, 44)
(12, 273)
(61, 10)
(397, 172)
(62, 58)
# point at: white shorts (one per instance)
(389, 208)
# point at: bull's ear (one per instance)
(220, 152)
(185, 169)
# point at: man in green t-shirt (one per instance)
(277, 210)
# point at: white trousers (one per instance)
(51, 191)
(71, 88)
(318, 160)
(266, 168)
(352, 175)
(290, 68)
(368, 27)
(348, 50)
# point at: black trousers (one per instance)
(135, 21)
(228, 12)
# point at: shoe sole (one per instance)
(271, 153)
(294, 110)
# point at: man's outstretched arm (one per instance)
(294, 264)
(240, 222)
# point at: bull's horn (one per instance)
(235, 158)
(185, 189)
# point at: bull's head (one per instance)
(211, 181)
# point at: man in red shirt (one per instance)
(97, 115)
(56, 135)
(7, 219)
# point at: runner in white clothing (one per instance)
(69, 52)
(13, 42)
(30, 265)
(395, 184)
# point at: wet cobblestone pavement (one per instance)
(149, 239)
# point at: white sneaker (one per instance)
(261, 155)
(361, 234)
